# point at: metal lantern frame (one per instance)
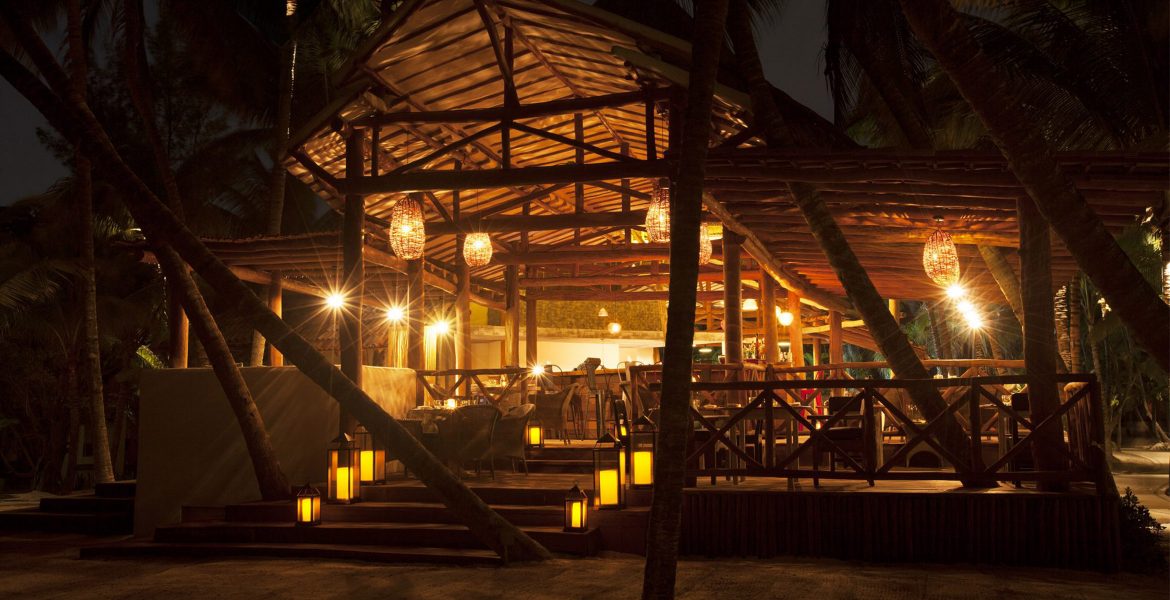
(940, 259)
(658, 213)
(372, 456)
(308, 507)
(609, 457)
(343, 470)
(477, 249)
(407, 230)
(576, 510)
(643, 446)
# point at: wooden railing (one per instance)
(437, 386)
(787, 432)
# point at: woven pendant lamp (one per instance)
(477, 249)
(704, 244)
(658, 214)
(940, 259)
(407, 229)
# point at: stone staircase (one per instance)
(109, 510)
(399, 522)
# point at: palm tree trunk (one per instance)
(890, 338)
(76, 121)
(269, 476)
(1032, 159)
(665, 525)
(103, 469)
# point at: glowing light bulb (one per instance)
(966, 307)
(784, 317)
(537, 370)
(441, 327)
(395, 314)
(335, 300)
(615, 328)
(955, 291)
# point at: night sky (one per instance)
(791, 49)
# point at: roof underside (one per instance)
(439, 55)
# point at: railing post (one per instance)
(976, 425)
(769, 430)
(868, 427)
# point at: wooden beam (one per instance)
(795, 333)
(623, 280)
(616, 296)
(517, 223)
(493, 178)
(352, 269)
(523, 111)
(732, 298)
(462, 308)
(836, 346)
(576, 143)
(530, 350)
(768, 319)
(585, 255)
(511, 315)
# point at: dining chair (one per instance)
(472, 434)
(852, 435)
(508, 437)
(552, 408)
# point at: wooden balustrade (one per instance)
(439, 385)
(786, 431)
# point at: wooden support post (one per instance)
(276, 305)
(530, 353)
(1040, 350)
(768, 319)
(1076, 363)
(626, 193)
(462, 308)
(732, 298)
(836, 341)
(796, 331)
(511, 316)
(353, 273)
(178, 326)
(816, 352)
(415, 315)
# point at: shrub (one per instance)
(1142, 545)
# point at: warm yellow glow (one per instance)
(623, 477)
(643, 467)
(577, 515)
(395, 314)
(534, 435)
(614, 328)
(367, 464)
(343, 484)
(965, 307)
(750, 305)
(335, 300)
(441, 327)
(450, 403)
(784, 317)
(477, 249)
(537, 370)
(608, 494)
(956, 291)
(974, 321)
(602, 313)
(305, 509)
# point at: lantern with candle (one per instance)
(643, 441)
(372, 456)
(344, 471)
(609, 459)
(535, 435)
(308, 506)
(576, 510)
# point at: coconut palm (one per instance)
(1031, 155)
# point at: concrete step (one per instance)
(488, 493)
(116, 489)
(380, 512)
(87, 504)
(67, 522)
(382, 554)
(425, 535)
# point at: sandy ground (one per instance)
(46, 566)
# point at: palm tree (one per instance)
(662, 536)
(99, 436)
(891, 340)
(945, 33)
(74, 120)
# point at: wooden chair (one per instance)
(852, 435)
(470, 434)
(508, 437)
(551, 410)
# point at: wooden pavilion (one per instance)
(549, 124)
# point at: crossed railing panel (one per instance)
(464, 378)
(1073, 431)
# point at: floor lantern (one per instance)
(535, 436)
(372, 456)
(643, 440)
(576, 510)
(344, 471)
(609, 467)
(308, 506)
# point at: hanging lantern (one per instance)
(407, 230)
(343, 467)
(658, 215)
(941, 259)
(477, 249)
(642, 445)
(308, 506)
(535, 436)
(372, 457)
(576, 510)
(602, 313)
(704, 244)
(609, 459)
